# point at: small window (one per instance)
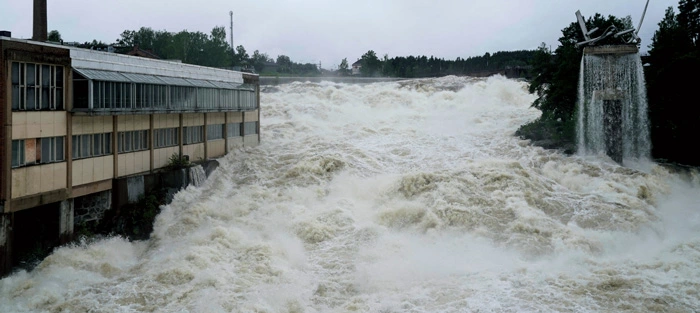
(17, 153)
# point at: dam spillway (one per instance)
(612, 104)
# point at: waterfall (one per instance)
(197, 175)
(134, 188)
(612, 107)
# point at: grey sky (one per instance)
(327, 31)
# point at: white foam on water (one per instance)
(396, 197)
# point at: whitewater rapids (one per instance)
(409, 196)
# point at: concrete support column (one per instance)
(5, 244)
(66, 221)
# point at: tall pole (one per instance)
(233, 48)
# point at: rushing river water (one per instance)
(396, 197)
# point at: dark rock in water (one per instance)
(210, 166)
(269, 89)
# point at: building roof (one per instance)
(357, 63)
(85, 59)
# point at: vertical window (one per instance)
(17, 153)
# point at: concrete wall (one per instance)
(133, 163)
(194, 151)
(192, 119)
(235, 117)
(91, 170)
(133, 122)
(216, 148)
(166, 121)
(251, 116)
(38, 124)
(81, 125)
(38, 179)
(161, 156)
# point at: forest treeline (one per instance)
(673, 60)
(214, 50)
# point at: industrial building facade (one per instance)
(74, 121)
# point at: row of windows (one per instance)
(51, 149)
(129, 96)
(133, 141)
(166, 137)
(36, 86)
(37, 151)
(92, 145)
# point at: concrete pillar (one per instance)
(66, 221)
(5, 244)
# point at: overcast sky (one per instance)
(328, 31)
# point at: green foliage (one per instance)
(175, 161)
(189, 47)
(674, 58)
(550, 133)
(344, 68)
(370, 64)
(54, 36)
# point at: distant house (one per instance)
(142, 53)
(356, 67)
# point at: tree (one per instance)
(241, 57)
(344, 68)
(370, 64)
(258, 60)
(284, 64)
(673, 54)
(54, 36)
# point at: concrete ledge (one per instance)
(37, 200)
(82, 190)
(611, 49)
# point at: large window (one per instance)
(36, 86)
(215, 131)
(251, 128)
(234, 129)
(183, 97)
(150, 96)
(111, 95)
(92, 145)
(207, 98)
(132, 141)
(193, 134)
(165, 137)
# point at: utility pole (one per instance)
(233, 48)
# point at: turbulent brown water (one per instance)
(396, 197)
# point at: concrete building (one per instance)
(76, 123)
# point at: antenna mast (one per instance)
(233, 48)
